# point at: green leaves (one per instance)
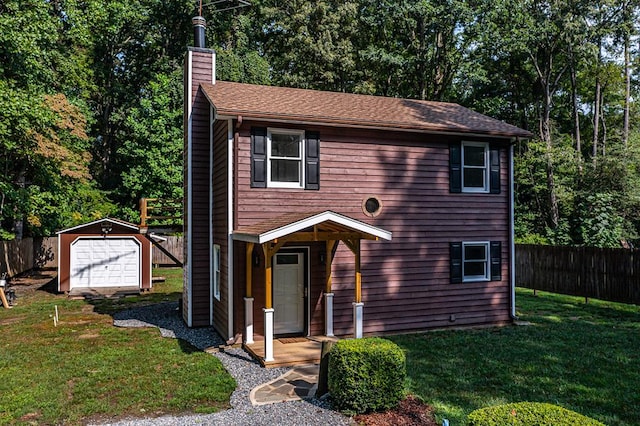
(153, 149)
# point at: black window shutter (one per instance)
(496, 260)
(258, 157)
(312, 160)
(455, 168)
(494, 170)
(455, 255)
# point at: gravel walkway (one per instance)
(246, 371)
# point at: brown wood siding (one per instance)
(405, 281)
(316, 290)
(201, 71)
(220, 223)
(185, 187)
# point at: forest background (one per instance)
(91, 95)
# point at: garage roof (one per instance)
(121, 223)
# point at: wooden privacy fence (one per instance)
(174, 247)
(607, 274)
(17, 257)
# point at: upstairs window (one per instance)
(474, 167)
(285, 158)
(284, 155)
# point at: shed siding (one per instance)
(405, 281)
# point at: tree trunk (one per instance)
(18, 223)
(576, 115)
(627, 90)
(596, 106)
(545, 134)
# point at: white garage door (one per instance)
(105, 262)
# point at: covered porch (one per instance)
(288, 350)
(270, 345)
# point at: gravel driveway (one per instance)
(246, 371)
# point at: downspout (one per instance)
(512, 244)
(212, 114)
(230, 209)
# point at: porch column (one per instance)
(248, 300)
(268, 334)
(248, 320)
(328, 314)
(328, 295)
(268, 310)
(358, 306)
(358, 309)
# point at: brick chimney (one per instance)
(199, 67)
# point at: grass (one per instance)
(584, 357)
(86, 369)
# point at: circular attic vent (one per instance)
(371, 206)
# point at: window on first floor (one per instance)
(216, 271)
(476, 261)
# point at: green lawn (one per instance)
(584, 357)
(87, 369)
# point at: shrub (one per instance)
(527, 414)
(366, 375)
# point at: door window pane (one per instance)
(287, 259)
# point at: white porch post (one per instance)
(248, 320)
(268, 334)
(328, 314)
(358, 309)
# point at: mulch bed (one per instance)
(410, 412)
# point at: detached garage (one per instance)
(106, 253)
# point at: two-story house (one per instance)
(318, 213)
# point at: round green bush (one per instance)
(366, 375)
(528, 414)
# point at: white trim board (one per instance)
(311, 221)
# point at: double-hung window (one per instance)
(474, 167)
(285, 151)
(285, 158)
(476, 261)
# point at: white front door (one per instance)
(288, 293)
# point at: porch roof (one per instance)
(321, 226)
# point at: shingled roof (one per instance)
(351, 110)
